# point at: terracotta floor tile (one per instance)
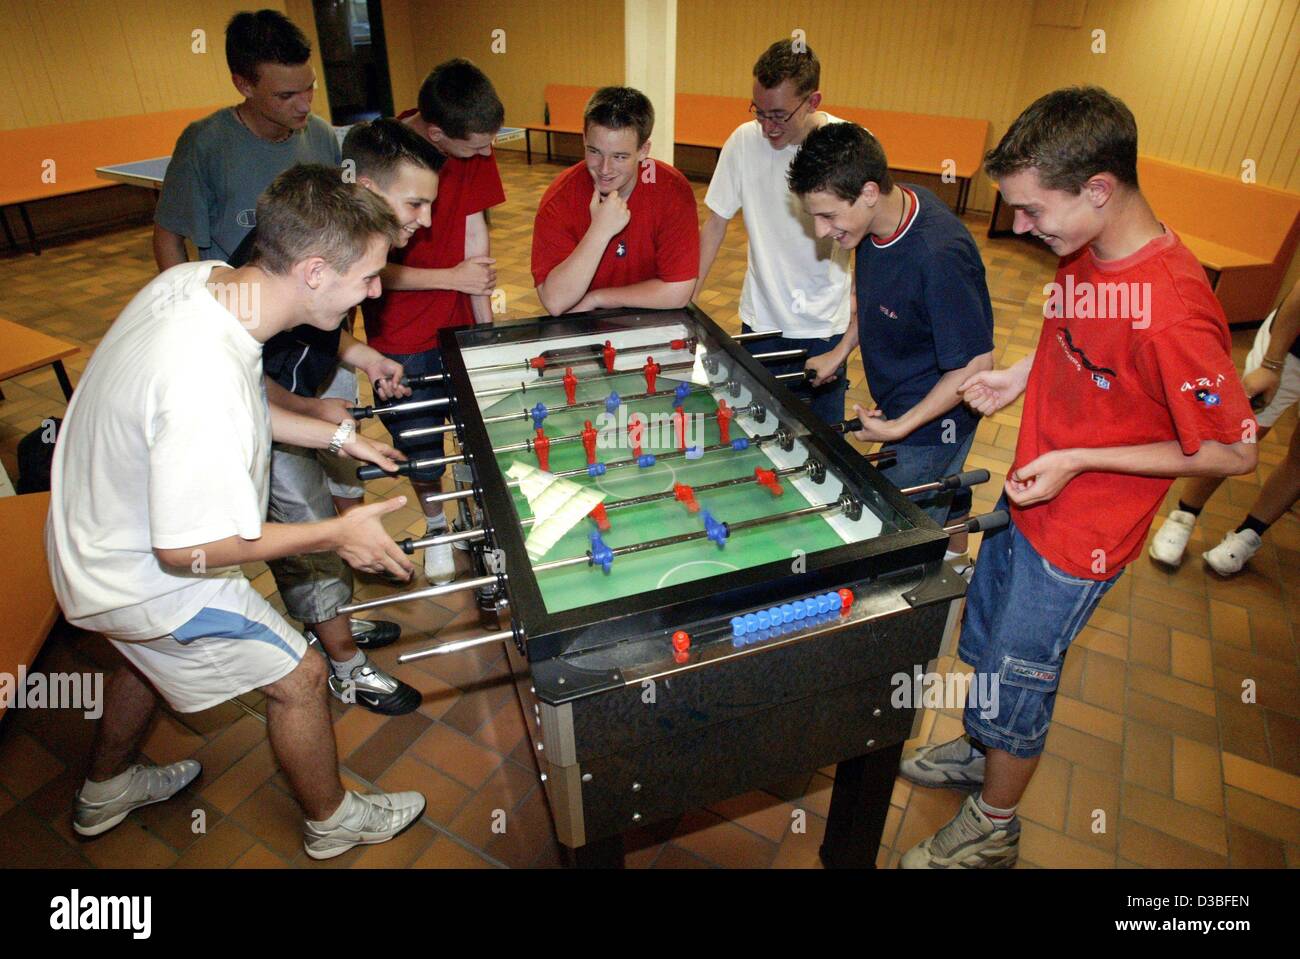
(1109, 621)
(1273, 637)
(1190, 658)
(168, 741)
(1284, 741)
(1249, 850)
(6, 801)
(26, 841)
(1198, 775)
(1157, 850)
(800, 850)
(175, 821)
(528, 836)
(1094, 813)
(503, 791)
(1177, 819)
(1040, 846)
(1177, 691)
(1089, 719)
(759, 813)
(1084, 749)
(503, 730)
(242, 779)
(1100, 641)
(445, 853)
(1148, 645)
(25, 765)
(129, 846)
(1280, 787)
(1149, 757)
(1263, 815)
(354, 727)
(456, 755)
(376, 754)
(1167, 614)
(1046, 798)
(1229, 624)
(675, 857)
(928, 812)
(272, 817)
(470, 712)
(723, 843)
(1072, 674)
(229, 746)
(397, 853)
(259, 857)
(444, 795)
(1178, 719)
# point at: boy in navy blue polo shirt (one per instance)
(925, 323)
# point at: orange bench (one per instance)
(66, 154)
(25, 349)
(1243, 234)
(914, 142)
(28, 608)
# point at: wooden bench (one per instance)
(67, 153)
(28, 608)
(914, 142)
(23, 349)
(1244, 234)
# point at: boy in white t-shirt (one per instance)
(160, 487)
(795, 283)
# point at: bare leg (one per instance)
(298, 724)
(1282, 488)
(128, 707)
(336, 636)
(1006, 777)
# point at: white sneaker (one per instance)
(439, 564)
(147, 785)
(1231, 555)
(969, 841)
(1171, 540)
(362, 821)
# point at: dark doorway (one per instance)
(352, 47)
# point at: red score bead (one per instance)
(846, 600)
(681, 641)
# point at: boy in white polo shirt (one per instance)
(160, 488)
(795, 282)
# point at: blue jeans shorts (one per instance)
(424, 447)
(827, 400)
(1022, 613)
(924, 464)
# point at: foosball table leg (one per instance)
(859, 805)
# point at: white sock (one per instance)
(337, 816)
(434, 524)
(343, 670)
(997, 816)
(92, 791)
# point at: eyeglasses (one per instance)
(779, 118)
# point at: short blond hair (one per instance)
(308, 210)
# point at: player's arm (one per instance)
(712, 234)
(825, 365)
(646, 295)
(295, 429)
(385, 374)
(1286, 327)
(168, 248)
(478, 248)
(989, 391)
(357, 536)
(943, 396)
(567, 283)
(1044, 477)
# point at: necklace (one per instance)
(901, 213)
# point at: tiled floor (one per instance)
(1150, 730)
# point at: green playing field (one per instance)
(582, 585)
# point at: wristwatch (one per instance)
(342, 436)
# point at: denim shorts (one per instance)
(1022, 613)
(424, 447)
(827, 400)
(924, 464)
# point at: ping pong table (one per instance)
(150, 173)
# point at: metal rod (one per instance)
(757, 442)
(465, 493)
(779, 355)
(755, 335)
(583, 353)
(363, 412)
(575, 437)
(455, 646)
(430, 592)
(955, 481)
(411, 545)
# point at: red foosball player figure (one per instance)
(769, 480)
(589, 442)
(635, 431)
(542, 447)
(679, 426)
(570, 386)
(651, 370)
(686, 496)
(601, 517)
(725, 413)
(608, 353)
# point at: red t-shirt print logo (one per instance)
(621, 249)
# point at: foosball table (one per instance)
(702, 589)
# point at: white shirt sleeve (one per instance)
(202, 443)
(725, 195)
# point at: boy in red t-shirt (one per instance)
(617, 229)
(444, 276)
(1132, 385)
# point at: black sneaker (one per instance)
(374, 633)
(371, 687)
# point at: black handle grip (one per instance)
(371, 471)
(988, 522)
(361, 412)
(851, 425)
(406, 546)
(965, 479)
